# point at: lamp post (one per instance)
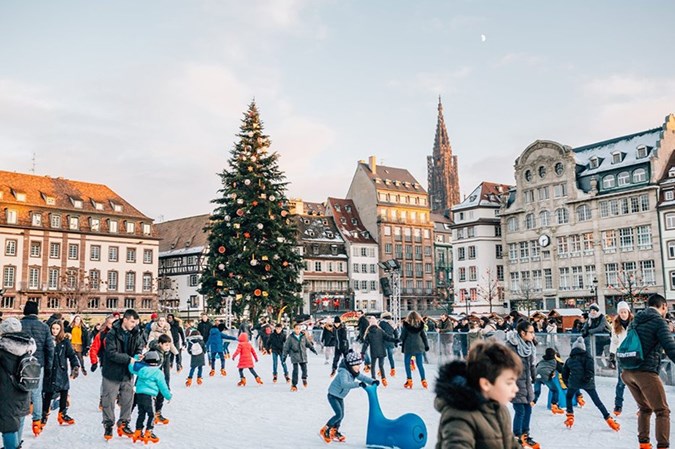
(594, 290)
(393, 268)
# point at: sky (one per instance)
(147, 96)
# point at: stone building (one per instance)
(443, 260)
(74, 247)
(666, 210)
(442, 170)
(581, 225)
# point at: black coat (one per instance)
(15, 402)
(341, 339)
(413, 339)
(579, 372)
(655, 338)
(328, 337)
(388, 329)
(178, 335)
(362, 325)
(57, 378)
(276, 342)
(374, 339)
(117, 354)
(204, 328)
(44, 342)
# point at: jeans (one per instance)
(216, 355)
(145, 412)
(241, 373)
(620, 387)
(592, 393)
(552, 388)
(303, 367)
(521, 418)
(192, 371)
(36, 398)
(338, 405)
(13, 439)
(276, 358)
(390, 356)
(419, 360)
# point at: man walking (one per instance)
(178, 340)
(44, 353)
(644, 382)
(123, 342)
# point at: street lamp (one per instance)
(594, 290)
(393, 268)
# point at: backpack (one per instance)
(195, 348)
(26, 377)
(629, 353)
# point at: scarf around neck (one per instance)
(524, 348)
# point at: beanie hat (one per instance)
(579, 344)
(337, 320)
(154, 316)
(151, 358)
(31, 308)
(10, 325)
(595, 307)
(622, 305)
(353, 358)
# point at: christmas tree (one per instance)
(252, 237)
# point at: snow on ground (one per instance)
(219, 414)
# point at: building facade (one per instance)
(443, 261)
(394, 209)
(581, 226)
(183, 250)
(666, 211)
(74, 247)
(442, 170)
(478, 267)
(363, 254)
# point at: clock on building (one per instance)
(544, 240)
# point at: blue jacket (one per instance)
(215, 341)
(150, 380)
(344, 381)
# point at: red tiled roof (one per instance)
(348, 221)
(392, 178)
(183, 233)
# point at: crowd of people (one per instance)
(39, 359)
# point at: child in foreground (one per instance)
(472, 396)
(149, 383)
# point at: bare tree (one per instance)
(631, 286)
(490, 288)
(527, 296)
(76, 287)
(167, 291)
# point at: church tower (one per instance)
(442, 170)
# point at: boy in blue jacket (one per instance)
(149, 383)
(349, 376)
(215, 346)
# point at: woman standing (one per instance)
(57, 381)
(79, 337)
(414, 344)
(328, 341)
(619, 330)
(521, 341)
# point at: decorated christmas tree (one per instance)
(252, 237)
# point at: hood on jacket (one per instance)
(413, 329)
(452, 388)
(243, 337)
(577, 352)
(155, 327)
(17, 343)
(214, 331)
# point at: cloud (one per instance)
(440, 82)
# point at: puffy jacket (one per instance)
(345, 381)
(413, 339)
(150, 379)
(276, 342)
(57, 378)
(374, 339)
(199, 359)
(655, 337)
(215, 340)
(245, 351)
(204, 327)
(164, 359)
(119, 348)
(545, 369)
(388, 328)
(328, 337)
(156, 330)
(296, 347)
(579, 372)
(44, 342)
(15, 402)
(341, 339)
(95, 353)
(468, 420)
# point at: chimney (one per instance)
(372, 164)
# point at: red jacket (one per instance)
(95, 347)
(246, 352)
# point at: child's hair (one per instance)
(278, 325)
(488, 359)
(549, 354)
(523, 326)
(163, 339)
(61, 335)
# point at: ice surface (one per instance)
(218, 414)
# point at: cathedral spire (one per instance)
(442, 170)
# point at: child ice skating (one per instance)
(246, 354)
(163, 347)
(57, 383)
(196, 349)
(349, 376)
(296, 347)
(149, 383)
(275, 345)
(578, 374)
(214, 345)
(375, 339)
(546, 369)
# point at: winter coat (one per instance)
(617, 338)
(655, 337)
(473, 336)
(149, 379)
(119, 348)
(215, 341)
(204, 327)
(525, 381)
(44, 342)
(245, 327)
(84, 335)
(177, 334)
(545, 369)
(594, 326)
(95, 352)
(444, 326)
(374, 339)
(341, 339)
(579, 371)
(328, 337)
(245, 351)
(199, 359)
(164, 359)
(361, 326)
(156, 330)
(296, 347)
(468, 419)
(15, 402)
(276, 342)
(57, 378)
(345, 381)
(413, 339)
(388, 328)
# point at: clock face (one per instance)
(544, 240)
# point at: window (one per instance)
(147, 256)
(73, 251)
(577, 278)
(644, 203)
(53, 302)
(588, 241)
(616, 157)
(512, 224)
(609, 240)
(528, 175)
(35, 249)
(130, 281)
(623, 179)
(462, 274)
(317, 266)
(147, 282)
(639, 175)
(10, 247)
(529, 221)
(542, 193)
(471, 231)
(7, 302)
(562, 216)
(131, 228)
(95, 224)
(94, 279)
(629, 271)
(53, 278)
(542, 171)
(529, 196)
(111, 303)
(593, 163)
(583, 213)
(648, 272)
(608, 182)
(364, 268)
(562, 245)
(54, 250)
(642, 151)
(131, 255)
(473, 273)
(513, 252)
(559, 190)
(112, 280)
(611, 273)
(364, 286)
(564, 278)
(373, 286)
(498, 231)
(500, 273)
(193, 280)
(8, 277)
(372, 268)
(559, 169)
(472, 252)
(95, 252)
(33, 278)
(548, 278)
(113, 254)
(534, 248)
(524, 250)
(387, 248)
(669, 195)
(36, 219)
(544, 218)
(515, 277)
(574, 242)
(55, 221)
(461, 253)
(499, 252)
(626, 238)
(93, 303)
(146, 229)
(644, 236)
(74, 223)
(113, 226)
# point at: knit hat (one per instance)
(622, 305)
(353, 358)
(154, 316)
(31, 308)
(594, 307)
(386, 315)
(10, 325)
(151, 358)
(337, 320)
(579, 343)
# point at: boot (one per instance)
(366, 369)
(223, 372)
(336, 435)
(199, 381)
(294, 388)
(107, 432)
(43, 421)
(556, 410)
(259, 380)
(325, 434)
(645, 445)
(227, 356)
(137, 436)
(288, 378)
(528, 442)
(408, 384)
(37, 427)
(159, 419)
(150, 437)
(392, 372)
(611, 422)
(384, 382)
(188, 382)
(274, 379)
(332, 373)
(63, 418)
(123, 430)
(304, 383)
(618, 410)
(580, 401)
(179, 368)
(424, 384)
(242, 382)
(212, 373)
(569, 422)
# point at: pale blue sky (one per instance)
(146, 96)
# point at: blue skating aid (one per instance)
(405, 432)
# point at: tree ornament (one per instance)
(227, 218)
(265, 258)
(255, 203)
(265, 294)
(221, 266)
(280, 239)
(236, 226)
(257, 292)
(284, 213)
(259, 225)
(234, 184)
(263, 196)
(240, 212)
(233, 195)
(221, 249)
(268, 267)
(249, 147)
(253, 158)
(231, 275)
(247, 235)
(250, 168)
(275, 257)
(254, 262)
(240, 201)
(285, 263)
(272, 197)
(247, 182)
(272, 217)
(250, 133)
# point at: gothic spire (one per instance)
(441, 139)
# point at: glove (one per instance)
(86, 353)
(75, 372)
(426, 349)
(376, 382)
(94, 366)
(362, 385)
(612, 360)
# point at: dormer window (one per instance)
(671, 172)
(306, 221)
(130, 227)
(669, 195)
(642, 151)
(617, 157)
(355, 221)
(73, 223)
(36, 219)
(365, 234)
(20, 196)
(325, 222)
(348, 208)
(116, 207)
(329, 234)
(146, 229)
(594, 163)
(343, 220)
(315, 249)
(310, 233)
(77, 203)
(337, 208)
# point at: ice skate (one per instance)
(212, 373)
(288, 379)
(108, 432)
(37, 427)
(617, 411)
(199, 381)
(528, 442)
(242, 382)
(63, 418)
(259, 380)
(137, 436)
(366, 369)
(569, 422)
(188, 382)
(645, 445)
(580, 401)
(223, 372)
(392, 372)
(408, 384)
(325, 434)
(150, 437)
(274, 379)
(611, 422)
(294, 388)
(556, 410)
(304, 383)
(336, 435)
(159, 419)
(384, 382)
(425, 384)
(123, 430)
